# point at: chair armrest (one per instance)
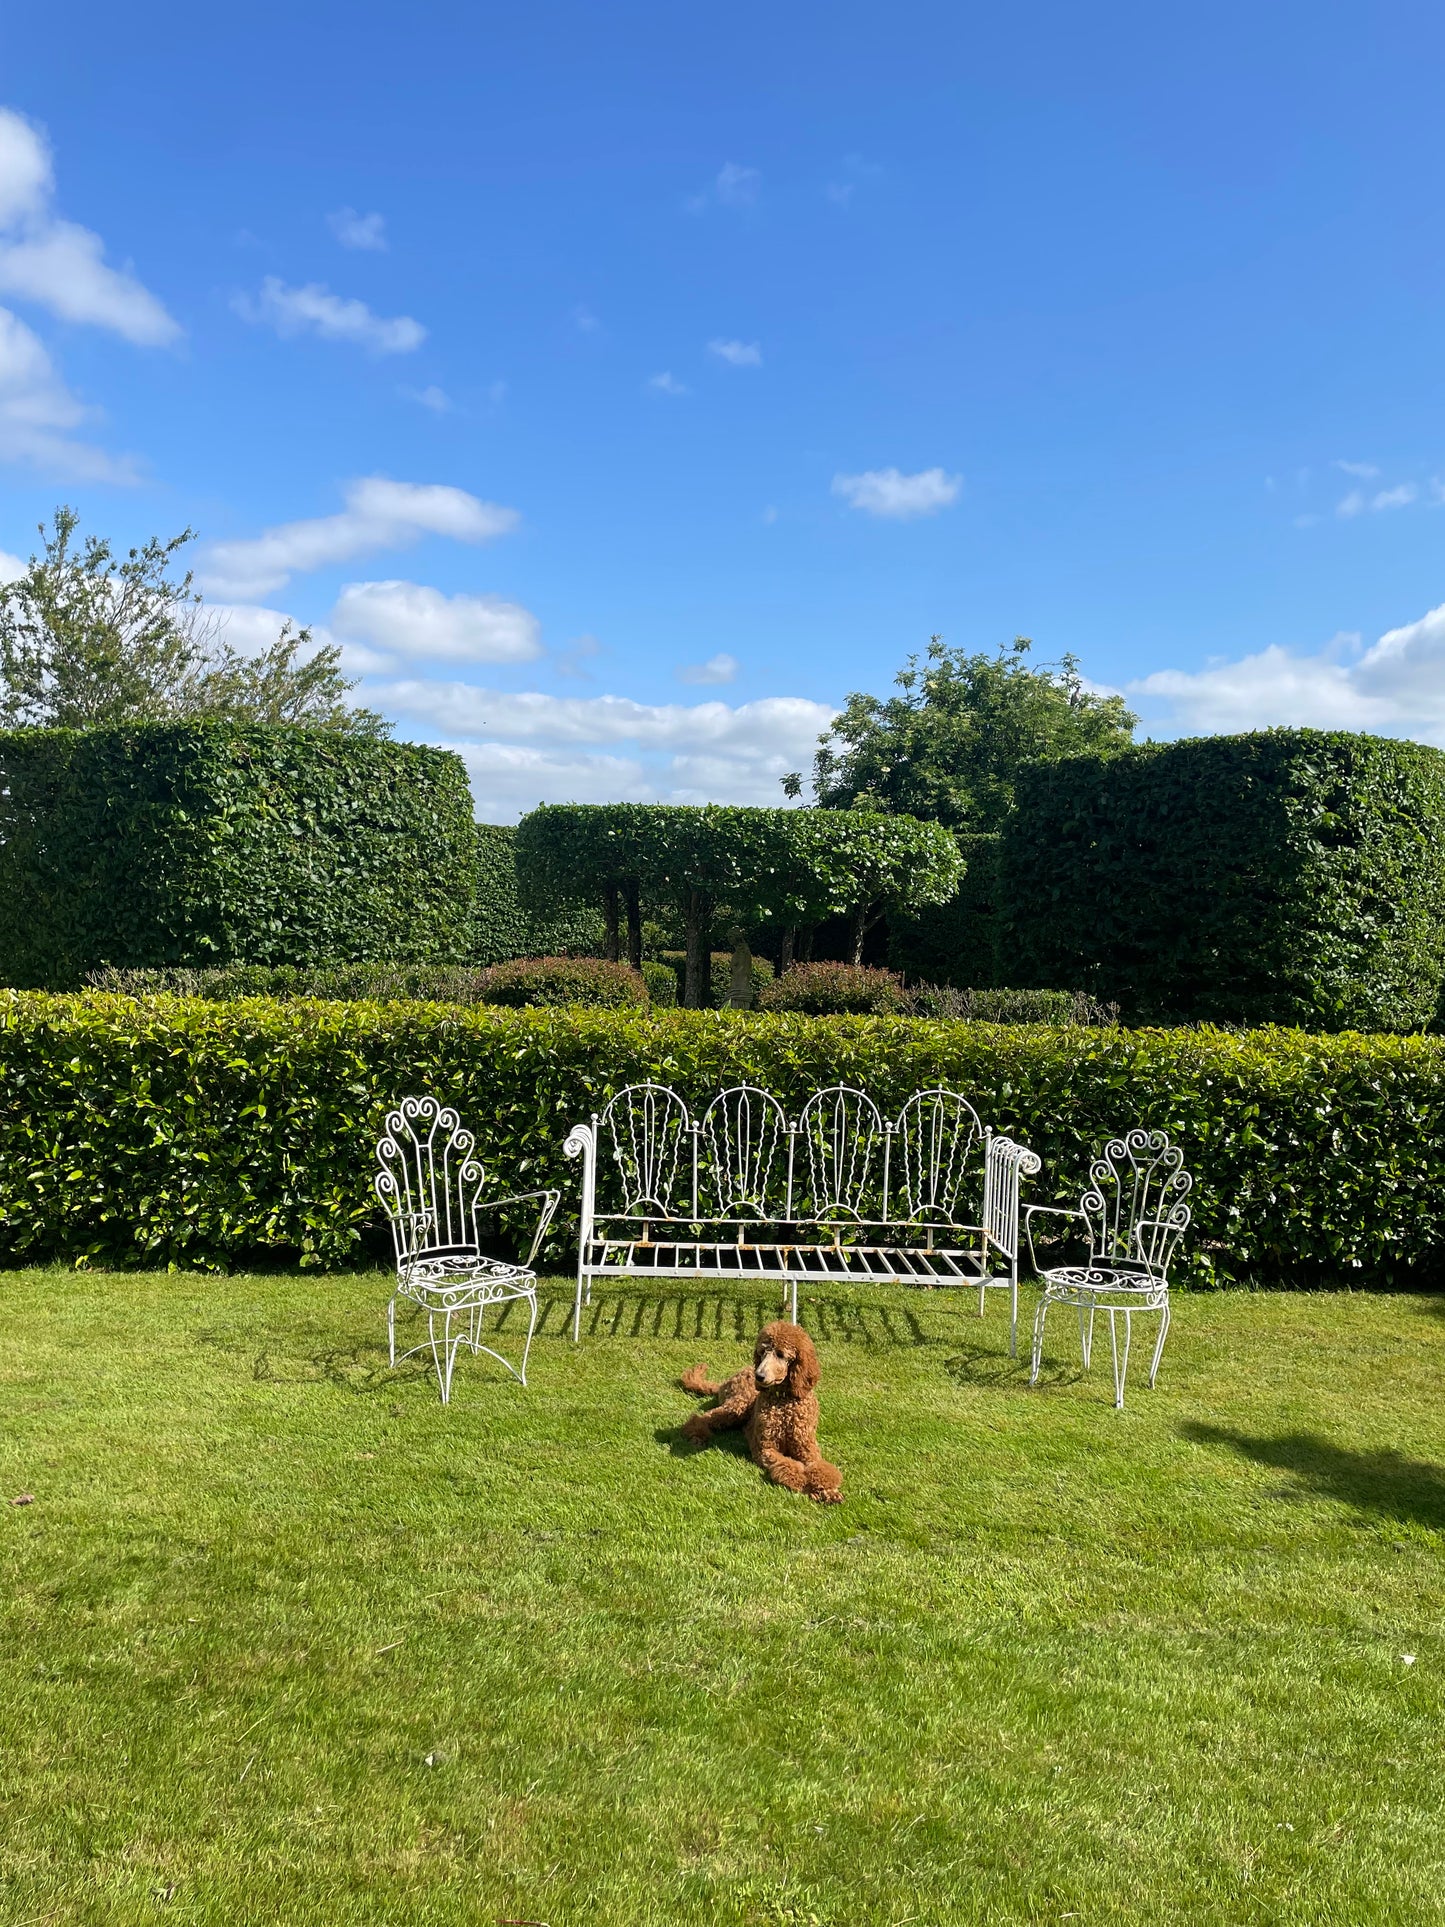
(1032, 1211)
(549, 1201)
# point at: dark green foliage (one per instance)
(836, 989)
(149, 1132)
(950, 748)
(199, 843)
(378, 982)
(563, 926)
(662, 983)
(954, 942)
(1290, 876)
(565, 980)
(720, 975)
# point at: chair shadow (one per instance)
(1384, 1482)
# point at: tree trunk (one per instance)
(699, 958)
(858, 922)
(790, 945)
(805, 942)
(634, 923)
(609, 914)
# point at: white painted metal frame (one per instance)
(838, 1193)
(430, 1186)
(1133, 1215)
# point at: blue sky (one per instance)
(624, 385)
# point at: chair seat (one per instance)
(454, 1279)
(1096, 1285)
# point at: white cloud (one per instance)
(607, 748)
(38, 411)
(585, 321)
(353, 230)
(1362, 471)
(897, 497)
(315, 310)
(666, 384)
(1357, 502)
(379, 514)
(1397, 687)
(732, 186)
(740, 354)
(433, 398)
(719, 668)
(57, 264)
(408, 619)
(11, 567)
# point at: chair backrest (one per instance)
(744, 1155)
(935, 1142)
(842, 1135)
(1134, 1203)
(427, 1178)
(651, 1136)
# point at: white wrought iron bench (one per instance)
(837, 1194)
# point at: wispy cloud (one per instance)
(732, 186)
(379, 514)
(894, 496)
(584, 321)
(315, 310)
(666, 384)
(738, 354)
(56, 264)
(1359, 502)
(717, 669)
(38, 414)
(364, 231)
(436, 399)
(1362, 471)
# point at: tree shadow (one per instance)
(1385, 1482)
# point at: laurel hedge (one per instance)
(175, 1131)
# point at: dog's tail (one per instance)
(695, 1379)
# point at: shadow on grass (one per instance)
(682, 1447)
(1384, 1482)
(693, 1317)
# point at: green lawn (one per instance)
(282, 1641)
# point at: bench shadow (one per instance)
(721, 1317)
(1384, 1482)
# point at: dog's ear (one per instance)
(804, 1373)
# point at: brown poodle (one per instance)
(774, 1401)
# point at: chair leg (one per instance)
(391, 1330)
(1086, 1336)
(1039, 1317)
(1121, 1366)
(1159, 1343)
(531, 1327)
(577, 1313)
(982, 1288)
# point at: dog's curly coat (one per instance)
(775, 1402)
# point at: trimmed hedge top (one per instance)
(1290, 876)
(197, 843)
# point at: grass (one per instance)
(282, 1641)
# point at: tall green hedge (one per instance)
(201, 843)
(954, 942)
(172, 1131)
(1288, 876)
(503, 929)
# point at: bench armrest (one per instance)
(1032, 1211)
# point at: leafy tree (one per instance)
(87, 639)
(796, 866)
(949, 748)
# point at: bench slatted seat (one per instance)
(839, 1193)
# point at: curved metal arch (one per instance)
(744, 1130)
(934, 1139)
(649, 1127)
(842, 1131)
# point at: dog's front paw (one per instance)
(833, 1497)
(695, 1429)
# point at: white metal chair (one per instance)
(430, 1187)
(1134, 1215)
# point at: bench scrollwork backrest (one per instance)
(936, 1145)
(745, 1155)
(842, 1136)
(651, 1137)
